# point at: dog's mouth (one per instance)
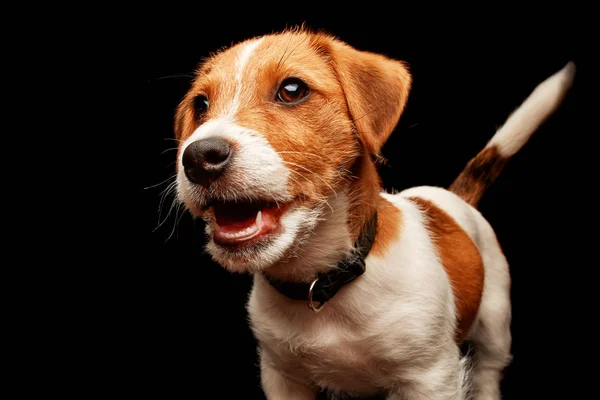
(241, 223)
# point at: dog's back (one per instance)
(489, 314)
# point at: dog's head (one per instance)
(271, 129)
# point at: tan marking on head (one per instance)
(222, 78)
(461, 260)
(355, 101)
(314, 137)
(389, 221)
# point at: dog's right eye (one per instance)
(292, 90)
(200, 105)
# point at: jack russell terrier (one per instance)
(356, 291)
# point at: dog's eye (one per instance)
(292, 90)
(200, 105)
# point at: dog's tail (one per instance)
(482, 170)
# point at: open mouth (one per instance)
(240, 223)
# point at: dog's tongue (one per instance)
(237, 222)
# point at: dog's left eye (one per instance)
(200, 105)
(292, 90)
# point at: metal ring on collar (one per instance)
(309, 300)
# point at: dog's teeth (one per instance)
(258, 220)
(244, 232)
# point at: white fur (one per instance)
(322, 242)
(349, 346)
(394, 324)
(259, 171)
(256, 172)
(540, 104)
(244, 54)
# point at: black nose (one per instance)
(205, 160)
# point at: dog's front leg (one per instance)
(279, 386)
(444, 379)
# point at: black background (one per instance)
(178, 323)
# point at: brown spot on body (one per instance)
(389, 220)
(461, 260)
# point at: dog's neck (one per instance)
(364, 195)
(334, 236)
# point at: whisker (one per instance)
(160, 183)
(317, 175)
(161, 223)
(187, 76)
(177, 140)
(171, 186)
(323, 200)
(367, 203)
(367, 113)
(180, 218)
(280, 62)
(294, 180)
(168, 191)
(283, 60)
(171, 149)
(177, 220)
(300, 152)
(327, 204)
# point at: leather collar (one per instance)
(327, 284)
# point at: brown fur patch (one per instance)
(461, 260)
(376, 90)
(389, 221)
(478, 175)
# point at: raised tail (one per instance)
(484, 168)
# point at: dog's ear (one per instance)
(376, 89)
(184, 119)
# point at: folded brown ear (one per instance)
(376, 89)
(184, 119)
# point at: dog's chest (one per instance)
(327, 353)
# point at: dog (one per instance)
(355, 290)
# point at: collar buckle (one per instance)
(309, 299)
